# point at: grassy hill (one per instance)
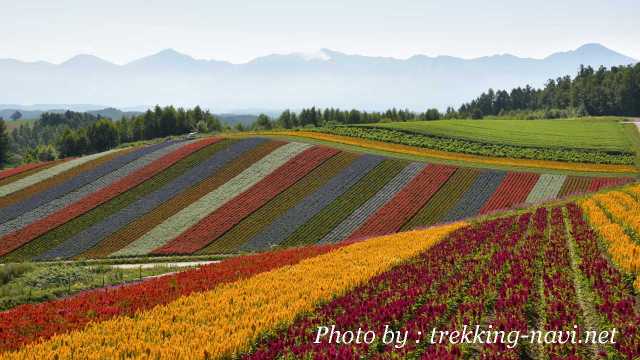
(220, 195)
(596, 145)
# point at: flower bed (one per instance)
(260, 219)
(238, 161)
(371, 206)
(20, 237)
(221, 220)
(296, 216)
(198, 210)
(406, 203)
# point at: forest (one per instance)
(614, 91)
(71, 133)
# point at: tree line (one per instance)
(605, 91)
(73, 133)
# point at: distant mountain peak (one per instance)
(319, 55)
(166, 57)
(86, 60)
(593, 47)
(593, 52)
(297, 79)
(171, 53)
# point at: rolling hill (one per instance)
(226, 195)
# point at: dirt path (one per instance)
(168, 264)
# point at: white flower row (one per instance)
(547, 188)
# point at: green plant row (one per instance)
(478, 148)
(321, 224)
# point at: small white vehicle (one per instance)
(192, 135)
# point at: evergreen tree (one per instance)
(4, 144)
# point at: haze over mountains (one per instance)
(274, 82)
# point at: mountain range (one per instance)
(325, 78)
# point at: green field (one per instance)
(604, 133)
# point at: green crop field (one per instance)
(589, 133)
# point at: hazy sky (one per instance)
(237, 30)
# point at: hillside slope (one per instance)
(557, 268)
(220, 195)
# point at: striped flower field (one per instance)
(551, 268)
(225, 195)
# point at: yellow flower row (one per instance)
(623, 207)
(622, 249)
(416, 151)
(227, 319)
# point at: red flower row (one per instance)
(406, 203)
(20, 237)
(28, 323)
(20, 169)
(615, 298)
(392, 297)
(228, 215)
(600, 183)
(513, 190)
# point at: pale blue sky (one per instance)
(240, 30)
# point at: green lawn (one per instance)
(37, 282)
(605, 133)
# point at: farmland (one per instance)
(234, 195)
(409, 146)
(554, 267)
(500, 150)
(582, 133)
